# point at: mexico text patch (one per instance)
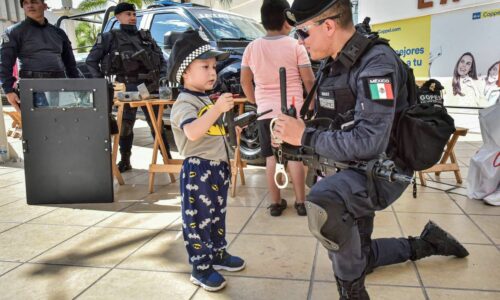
(380, 88)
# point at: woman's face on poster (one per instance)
(464, 65)
(493, 75)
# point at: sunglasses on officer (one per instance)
(303, 32)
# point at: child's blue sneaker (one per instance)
(210, 279)
(228, 262)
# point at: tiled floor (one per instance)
(133, 248)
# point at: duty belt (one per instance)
(37, 74)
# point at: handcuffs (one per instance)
(280, 167)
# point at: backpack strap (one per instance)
(355, 48)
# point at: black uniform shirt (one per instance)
(40, 48)
(374, 115)
(105, 45)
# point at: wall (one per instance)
(433, 44)
(390, 10)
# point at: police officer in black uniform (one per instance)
(363, 77)
(134, 57)
(43, 50)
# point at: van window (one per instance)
(163, 23)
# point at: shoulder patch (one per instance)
(379, 88)
(4, 39)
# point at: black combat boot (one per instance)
(124, 164)
(435, 241)
(352, 290)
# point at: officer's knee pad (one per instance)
(127, 128)
(329, 222)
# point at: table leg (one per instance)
(156, 122)
(116, 140)
(449, 149)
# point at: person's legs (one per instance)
(274, 191)
(222, 259)
(126, 138)
(297, 173)
(197, 210)
(277, 204)
(340, 215)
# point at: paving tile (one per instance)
(460, 226)
(12, 192)
(247, 196)
(28, 240)
(6, 226)
(403, 274)
(441, 294)
(289, 223)
(157, 215)
(385, 225)
(236, 217)
(7, 266)
(257, 288)
(8, 181)
(490, 225)
(166, 252)
(426, 203)
(480, 270)
(255, 178)
(275, 256)
(421, 189)
(473, 206)
(100, 247)
(4, 172)
(328, 291)
(131, 192)
(169, 192)
(287, 194)
(161, 179)
(128, 284)
(34, 281)
(20, 211)
(80, 214)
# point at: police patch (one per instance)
(379, 88)
(4, 39)
(326, 103)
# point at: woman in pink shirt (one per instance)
(261, 62)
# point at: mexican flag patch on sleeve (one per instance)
(380, 88)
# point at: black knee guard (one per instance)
(329, 222)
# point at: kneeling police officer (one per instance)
(366, 79)
(134, 57)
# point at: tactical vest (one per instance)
(132, 57)
(335, 99)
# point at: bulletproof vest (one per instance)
(335, 98)
(132, 57)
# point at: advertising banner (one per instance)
(459, 48)
(411, 40)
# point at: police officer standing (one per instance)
(366, 79)
(135, 58)
(43, 50)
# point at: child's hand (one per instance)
(224, 103)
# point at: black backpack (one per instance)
(421, 131)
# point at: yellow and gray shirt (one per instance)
(188, 107)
